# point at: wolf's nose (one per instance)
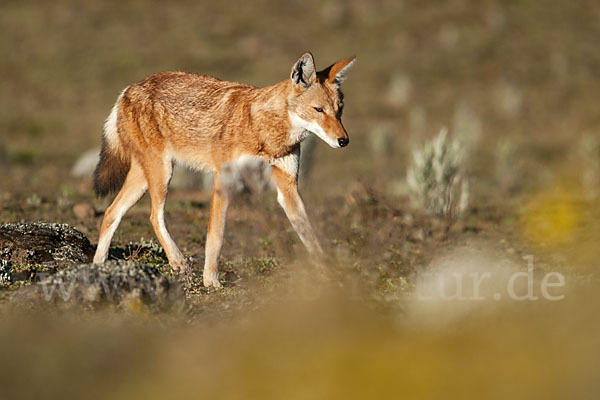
(343, 142)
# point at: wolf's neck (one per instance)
(272, 99)
(270, 114)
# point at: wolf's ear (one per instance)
(336, 73)
(303, 72)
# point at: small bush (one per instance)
(435, 179)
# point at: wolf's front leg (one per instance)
(214, 238)
(289, 198)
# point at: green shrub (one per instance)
(435, 180)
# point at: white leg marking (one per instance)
(104, 241)
(169, 242)
(301, 224)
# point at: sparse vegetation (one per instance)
(263, 265)
(435, 177)
(146, 252)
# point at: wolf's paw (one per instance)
(210, 279)
(180, 266)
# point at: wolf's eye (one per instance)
(318, 109)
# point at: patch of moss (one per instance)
(263, 265)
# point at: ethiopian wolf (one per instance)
(205, 122)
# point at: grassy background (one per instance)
(523, 69)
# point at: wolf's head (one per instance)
(316, 103)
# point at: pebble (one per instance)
(83, 211)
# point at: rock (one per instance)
(119, 282)
(86, 163)
(128, 286)
(44, 243)
(83, 211)
(416, 235)
(5, 273)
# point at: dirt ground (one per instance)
(515, 82)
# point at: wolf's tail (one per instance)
(114, 163)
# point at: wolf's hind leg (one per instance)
(158, 176)
(134, 187)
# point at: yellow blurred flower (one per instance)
(550, 218)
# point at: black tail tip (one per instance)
(110, 173)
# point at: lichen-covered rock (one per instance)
(114, 281)
(5, 273)
(44, 243)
